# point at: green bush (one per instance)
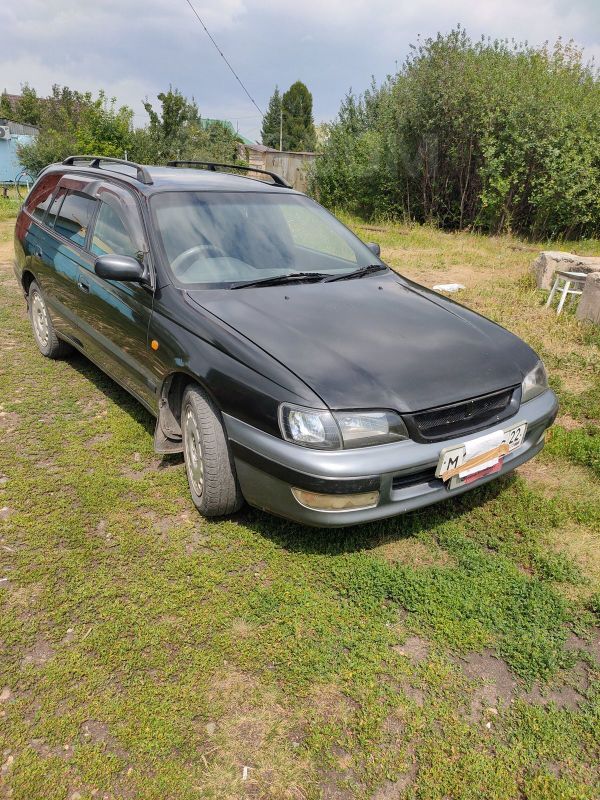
(73, 122)
(489, 135)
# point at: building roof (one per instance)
(294, 152)
(262, 148)
(19, 128)
(259, 148)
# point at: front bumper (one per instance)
(267, 468)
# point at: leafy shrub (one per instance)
(491, 135)
(594, 604)
(73, 122)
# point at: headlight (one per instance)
(534, 383)
(362, 428)
(331, 431)
(309, 428)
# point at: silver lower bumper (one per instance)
(267, 468)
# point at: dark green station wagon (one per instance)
(277, 351)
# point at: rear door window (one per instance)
(74, 216)
(59, 196)
(111, 234)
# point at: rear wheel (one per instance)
(208, 462)
(44, 334)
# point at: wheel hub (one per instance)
(193, 451)
(39, 317)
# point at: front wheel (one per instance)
(208, 462)
(44, 334)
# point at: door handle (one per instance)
(36, 251)
(83, 286)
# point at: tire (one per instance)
(208, 462)
(44, 334)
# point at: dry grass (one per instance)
(250, 746)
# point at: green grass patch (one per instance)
(9, 206)
(581, 446)
(149, 653)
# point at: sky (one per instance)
(134, 49)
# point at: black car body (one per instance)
(337, 387)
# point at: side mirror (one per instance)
(119, 268)
(374, 248)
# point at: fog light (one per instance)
(336, 502)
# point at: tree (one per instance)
(62, 107)
(74, 122)
(491, 135)
(176, 131)
(176, 112)
(170, 127)
(218, 143)
(322, 132)
(27, 107)
(271, 121)
(298, 123)
(6, 110)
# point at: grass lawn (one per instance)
(9, 206)
(147, 653)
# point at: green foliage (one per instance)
(176, 112)
(177, 131)
(298, 124)
(27, 108)
(169, 128)
(6, 109)
(491, 135)
(348, 175)
(272, 121)
(72, 122)
(290, 117)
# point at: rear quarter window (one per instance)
(41, 195)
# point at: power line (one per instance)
(237, 77)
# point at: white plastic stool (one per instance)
(566, 279)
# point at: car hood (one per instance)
(375, 342)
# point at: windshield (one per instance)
(217, 239)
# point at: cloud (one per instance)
(134, 48)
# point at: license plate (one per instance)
(454, 457)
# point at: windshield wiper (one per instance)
(357, 273)
(293, 277)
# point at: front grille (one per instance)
(466, 417)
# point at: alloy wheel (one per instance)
(39, 318)
(193, 451)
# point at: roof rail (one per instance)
(277, 179)
(142, 173)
